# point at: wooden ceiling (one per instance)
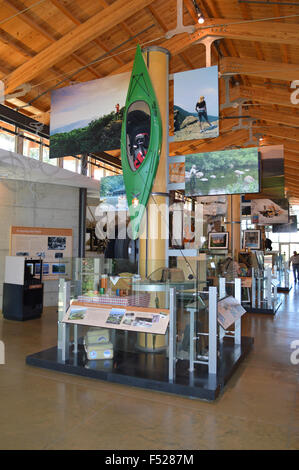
(53, 43)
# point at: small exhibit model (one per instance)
(141, 141)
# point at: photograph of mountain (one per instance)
(196, 105)
(87, 117)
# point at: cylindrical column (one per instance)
(82, 209)
(154, 240)
(234, 224)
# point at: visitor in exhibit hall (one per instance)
(295, 263)
(201, 109)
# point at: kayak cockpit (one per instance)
(138, 129)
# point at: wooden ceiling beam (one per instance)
(259, 68)
(280, 117)
(281, 132)
(227, 139)
(280, 97)
(78, 37)
(26, 19)
(271, 32)
(77, 22)
(291, 147)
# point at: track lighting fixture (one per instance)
(200, 16)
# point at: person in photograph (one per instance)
(201, 109)
(295, 263)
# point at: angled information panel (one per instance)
(140, 319)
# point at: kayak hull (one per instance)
(141, 123)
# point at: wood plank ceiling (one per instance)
(53, 43)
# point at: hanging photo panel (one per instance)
(291, 227)
(268, 211)
(87, 117)
(272, 173)
(196, 104)
(113, 193)
(225, 172)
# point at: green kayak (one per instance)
(141, 140)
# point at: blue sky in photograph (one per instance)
(75, 106)
(190, 85)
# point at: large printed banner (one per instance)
(225, 172)
(269, 211)
(196, 104)
(272, 173)
(52, 245)
(87, 117)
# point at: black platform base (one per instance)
(150, 370)
(265, 310)
(284, 290)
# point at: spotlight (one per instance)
(201, 18)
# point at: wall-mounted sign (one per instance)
(52, 245)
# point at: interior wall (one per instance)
(36, 205)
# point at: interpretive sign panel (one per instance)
(142, 320)
(229, 311)
(52, 245)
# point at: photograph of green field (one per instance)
(87, 117)
(225, 172)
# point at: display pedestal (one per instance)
(150, 370)
(265, 309)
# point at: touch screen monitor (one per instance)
(233, 171)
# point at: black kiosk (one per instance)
(23, 288)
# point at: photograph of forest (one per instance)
(233, 171)
(87, 117)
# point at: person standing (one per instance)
(201, 109)
(295, 263)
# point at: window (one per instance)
(7, 139)
(31, 145)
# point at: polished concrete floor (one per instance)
(259, 408)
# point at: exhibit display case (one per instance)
(164, 331)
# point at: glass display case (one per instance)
(159, 331)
